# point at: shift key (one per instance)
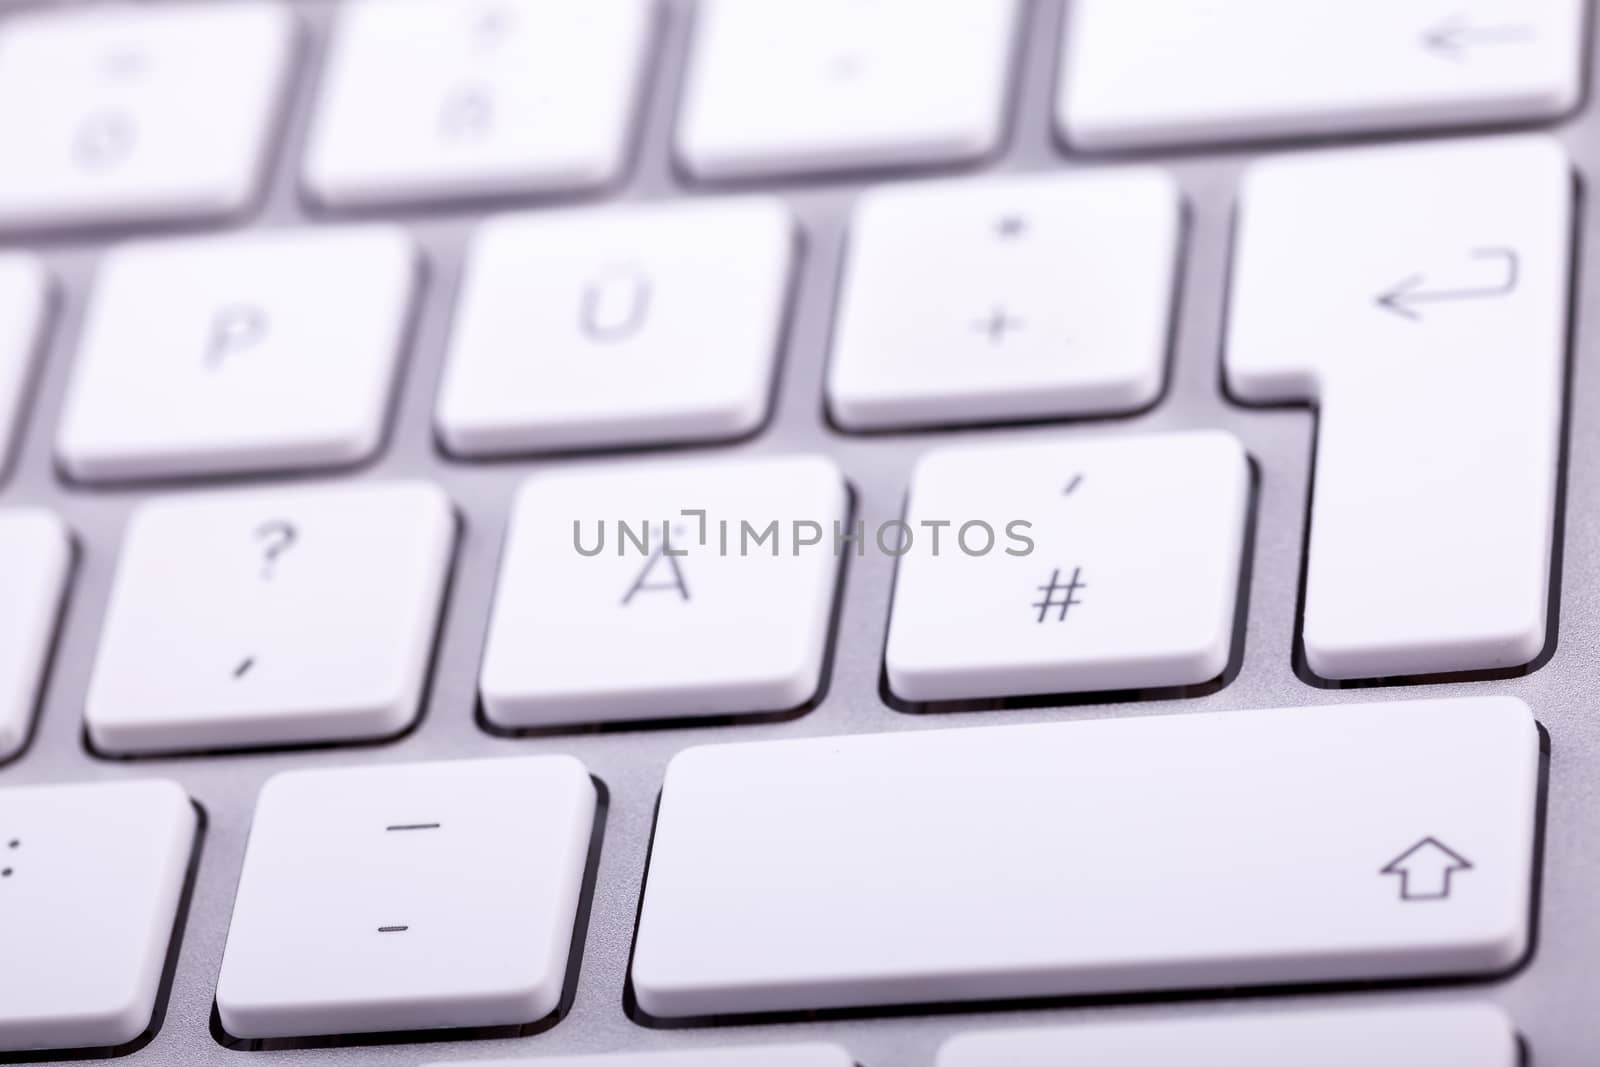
(1305, 845)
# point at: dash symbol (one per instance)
(393, 929)
(412, 826)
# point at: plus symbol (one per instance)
(997, 325)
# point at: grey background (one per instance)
(1552, 999)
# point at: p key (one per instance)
(1418, 297)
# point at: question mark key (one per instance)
(271, 617)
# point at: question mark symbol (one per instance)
(276, 537)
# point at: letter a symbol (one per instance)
(643, 584)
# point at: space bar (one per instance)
(1359, 842)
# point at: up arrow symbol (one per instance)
(1425, 870)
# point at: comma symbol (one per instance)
(615, 304)
(234, 328)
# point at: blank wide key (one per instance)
(1141, 73)
(814, 86)
(763, 1056)
(90, 882)
(431, 101)
(227, 355)
(35, 559)
(123, 113)
(665, 591)
(1449, 1036)
(24, 297)
(1055, 567)
(1006, 299)
(1418, 297)
(408, 897)
(593, 329)
(271, 617)
(1358, 842)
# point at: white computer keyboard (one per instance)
(798, 533)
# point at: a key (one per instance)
(597, 329)
(90, 881)
(1140, 73)
(763, 1056)
(429, 101)
(1057, 568)
(226, 355)
(408, 897)
(813, 86)
(271, 617)
(35, 560)
(1012, 299)
(24, 295)
(1425, 1036)
(1246, 848)
(1418, 297)
(121, 113)
(665, 591)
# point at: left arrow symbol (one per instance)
(1425, 870)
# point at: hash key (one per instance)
(1086, 584)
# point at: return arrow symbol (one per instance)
(1405, 297)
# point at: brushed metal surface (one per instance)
(1551, 999)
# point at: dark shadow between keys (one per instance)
(569, 990)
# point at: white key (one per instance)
(24, 297)
(808, 86)
(732, 622)
(407, 897)
(618, 327)
(1009, 299)
(119, 113)
(1467, 1036)
(270, 617)
(1080, 581)
(35, 560)
(1181, 852)
(1139, 73)
(90, 880)
(1417, 296)
(764, 1056)
(425, 100)
(237, 354)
